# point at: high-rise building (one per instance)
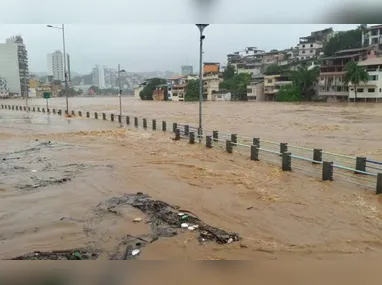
(186, 70)
(110, 77)
(4, 92)
(98, 76)
(14, 65)
(56, 65)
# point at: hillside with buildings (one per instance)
(318, 58)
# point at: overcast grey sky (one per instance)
(147, 47)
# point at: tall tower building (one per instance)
(56, 65)
(187, 70)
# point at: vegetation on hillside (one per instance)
(192, 91)
(345, 40)
(289, 93)
(147, 91)
(355, 75)
(237, 85)
(273, 69)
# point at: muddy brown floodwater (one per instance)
(55, 171)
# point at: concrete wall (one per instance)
(372, 88)
(9, 67)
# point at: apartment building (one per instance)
(14, 65)
(55, 62)
(4, 91)
(211, 81)
(373, 36)
(186, 70)
(98, 76)
(372, 89)
(160, 92)
(255, 90)
(176, 88)
(272, 85)
(312, 45)
(331, 85)
(247, 61)
(111, 75)
(221, 95)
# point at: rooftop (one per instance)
(342, 56)
(371, 61)
(211, 63)
(375, 27)
(176, 77)
(352, 50)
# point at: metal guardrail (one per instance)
(356, 170)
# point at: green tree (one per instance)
(237, 85)
(304, 79)
(147, 91)
(273, 69)
(289, 93)
(229, 72)
(94, 88)
(192, 90)
(355, 75)
(344, 40)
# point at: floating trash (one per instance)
(191, 228)
(230, 240)
(185, 217)
(135, 252)
(33, 170)
(137, 220)
(184, 225)
(196, 226)
(181, 214)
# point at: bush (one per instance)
(289, 93)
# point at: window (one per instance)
(303, 51)
(311, 51)
(371, 90)
(380, 89)
(311, 45)
(351, 89)
(303, 46)
(269, 81)
(373, 77)
(360, 90)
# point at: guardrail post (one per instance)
(164, 126)
(174, 127)
(286, 164)
(96, 115)
(144, 123)
(59, 112)
(112, 117)
(379, 184)
(38, 109)
(87, 115)
(43, 110)
(191, 138)
(25, 108)
(186, 130)
(208, 142)
(13, 107)
(254, 152)
(80, 113)
(54, 111)
(283, 148)
(327, 171)
(360, 164)
(234, 139)
(317, 155)
(154, 124)
(256, 141)
(29, 108)
(136, 122)
(127, 120)
(73, 113)
(119, 119)
(215, 135)
(17, 108)
(228, 146)
(104, 116)
(177, 134)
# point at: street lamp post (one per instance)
(120, 93)
(201, 28)
(62, 28)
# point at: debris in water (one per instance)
(137, 220)
(74, 254)
(181, 214)
(135, 252)
(185, 217)
(184, 225)
(230, 240)
(33, 170)
(191, 228)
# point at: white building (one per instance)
(372, 89)
(98, 76)
(14, 65)
(312, 45)
(372, 36)
(56, 65)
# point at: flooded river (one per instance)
(55, 171)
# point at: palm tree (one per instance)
(304, 79)
(355, 75)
